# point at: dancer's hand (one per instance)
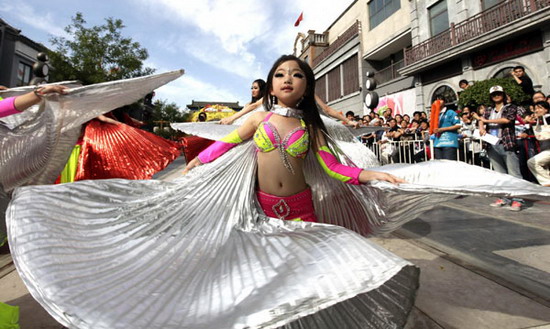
(192, 164)
(27, 100)
(51, 89)
(354, 124)
(370, 175)
(106, 119)
(227, 121)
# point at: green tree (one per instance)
(170, 112)
(165, 113)
(96, 54)
(478, 93)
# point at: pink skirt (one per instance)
(298, 207)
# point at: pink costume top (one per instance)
(296, 143)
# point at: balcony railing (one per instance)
(389, 73)
(316, 39)
(486, 21)
(338, 43)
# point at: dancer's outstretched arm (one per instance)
(248, 108)
(347, 174)
(218, 148)
(14, 105)
(333, 113)
(27, 100)
(106, 119)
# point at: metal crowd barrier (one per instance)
(414, 151)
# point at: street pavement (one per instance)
(481, 267)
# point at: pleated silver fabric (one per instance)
(197, 253)
(209, 130)
(35, 144)
(381, 207)
(347, 145)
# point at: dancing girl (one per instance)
(242, 240)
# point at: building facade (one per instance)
(423, 48)
(334, 57)
(17, 56)
(475, 40)
(368, 36)
(384, 46)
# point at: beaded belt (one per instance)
(295, 207)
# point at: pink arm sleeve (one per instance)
(7, 107)
(337, 170)
(214, 151)
(218, 148)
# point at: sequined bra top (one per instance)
(295, 143)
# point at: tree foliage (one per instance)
(170, 112)
(165, 113)
(96, 54)
(478, 93)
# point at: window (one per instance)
(379, 10)
(387, 68)
(440, 72)
(486, 4)
(439, 18)
(340, 81)
(504, 73)
(448, 94)
(321, 88)
(351, 75)
(23, 74)
(334, 87)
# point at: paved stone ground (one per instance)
(511, 248)
(480, 267)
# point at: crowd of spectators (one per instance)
(407, 139)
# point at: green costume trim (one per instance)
(69, 172)
(233, 138)
(331, 173)
(9, 316)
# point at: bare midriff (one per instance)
(274, 178)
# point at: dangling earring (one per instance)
(273, 99)
(299, 102)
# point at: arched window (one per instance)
(447, 93)
(504, 73)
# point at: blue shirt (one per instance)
(448, 118)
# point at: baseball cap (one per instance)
(496, 89)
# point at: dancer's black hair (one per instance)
(261, 85)
(307, 104)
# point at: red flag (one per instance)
(300, 18)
